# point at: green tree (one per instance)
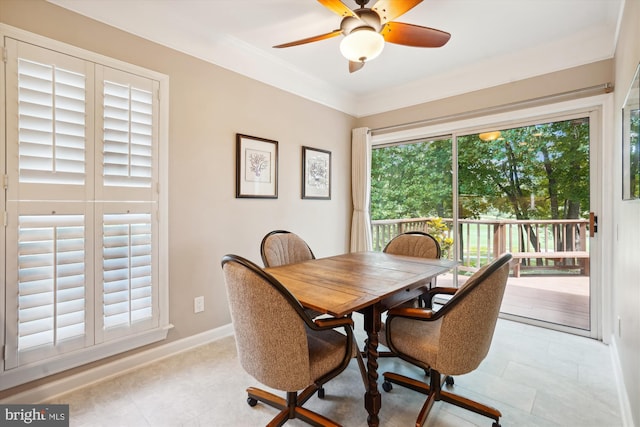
(411, 180)
(632, 158)
(531, 172)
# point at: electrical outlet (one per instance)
(198, 304)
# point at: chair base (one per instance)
(290, 407)
(435, 393)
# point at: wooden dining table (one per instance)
(366, 282)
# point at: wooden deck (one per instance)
(561, 299)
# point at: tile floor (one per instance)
(534, 376)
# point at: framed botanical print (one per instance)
(316, 173)
(256, 167)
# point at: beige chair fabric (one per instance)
(280, 247)
(455, 339)
(417, 244)
(455, 344)
(278, 343)
(414, 243)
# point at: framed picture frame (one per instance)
(256, 167)
(631, 141)
(316, 173)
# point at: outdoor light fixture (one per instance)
(490, 136)
(362, 44)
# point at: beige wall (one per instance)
(589, 75)
(626, 251)
(209, 105)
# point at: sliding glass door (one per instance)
(522, 188)
(526, 190)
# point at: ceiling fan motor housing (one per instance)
(367, 19)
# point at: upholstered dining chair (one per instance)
(417, 244)
(414, 243)
(280, 345)
(451, 341)
(280, 247)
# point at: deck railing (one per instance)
(480, 241)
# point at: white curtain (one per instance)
(360, 189)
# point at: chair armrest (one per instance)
(411, 313)
(329, 323)
(442, 290)
(333, 322)
(428, 296)
(420, 314)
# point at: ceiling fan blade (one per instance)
(414, 35)
(334, 33)
(388, 10)
(355, 66)
(338, 7)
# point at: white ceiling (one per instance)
(493, 42)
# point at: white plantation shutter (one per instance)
(48, 264)
(82, 235)
(128, 271)
(48, 310)
(51, 282)
(52, 124)
(128, 274)
(129, 123)
(128, 135)
(49, 128)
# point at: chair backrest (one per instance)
(414, 243)
(469, 321)
(280, 247)
(269, 328)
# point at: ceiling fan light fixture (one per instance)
(362, 44)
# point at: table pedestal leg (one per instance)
(372, 398)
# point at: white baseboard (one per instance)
(625, 405)
(49, 390)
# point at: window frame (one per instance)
(99, 350)
(599, 110)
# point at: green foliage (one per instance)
(412, 180)
(633, 157)
(440, 231)
(531, 172)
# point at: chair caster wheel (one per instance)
(495, 424)
(387, 386)
(449, 381)
(251, 401)
(321, 392)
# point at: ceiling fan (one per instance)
(367, 29)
